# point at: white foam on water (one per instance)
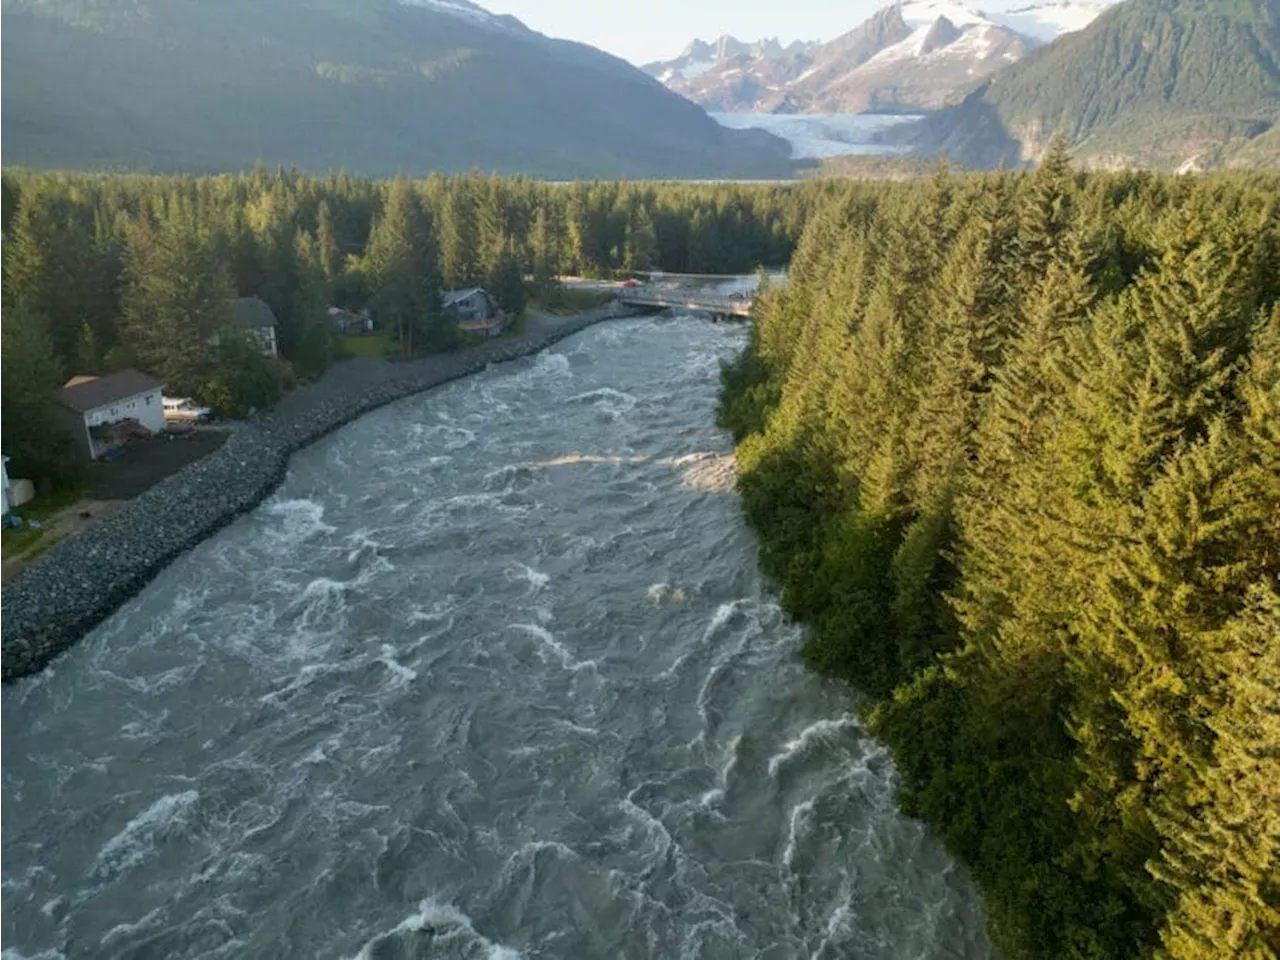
(399, 670)
(128, 929)
(548, 641)
(323, 599)
(732, 751)
(664, 593)
(820, 732)
(612, 403)
(132, 845)
(801, 817)
(299, 519)
(535, 578)
(9, 953)
(445, 922)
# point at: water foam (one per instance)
(821, 732)
(138, 840)
(400, 671)
(299, 519)
(535, 578)
(444, 922)
(548, 641)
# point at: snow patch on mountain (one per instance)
(1048, 21)
(924, 13)
(463, 10)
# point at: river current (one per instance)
(492, 675)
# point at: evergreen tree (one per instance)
(402, 265)
(36, 434)
(506, 282)
(176, 300)
(459, 239)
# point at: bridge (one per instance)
(717, 304)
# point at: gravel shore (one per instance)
(51, 604)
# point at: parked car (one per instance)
(630, 283)
(184, 408)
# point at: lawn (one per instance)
(42, 509)
(376, 344)
(564, 301)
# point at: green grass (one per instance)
(377, 344)
(564, 301)
(43, 509)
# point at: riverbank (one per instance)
(77, 584)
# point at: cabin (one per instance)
(253, 319)
(475, 312)
(349, 323)
(106, 412)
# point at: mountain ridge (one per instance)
(375, 86)
(952, 45)
(1170, 84)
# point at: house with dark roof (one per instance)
(104, 411)
(474, 311)
(253, 318)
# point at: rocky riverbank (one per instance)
(76, 585)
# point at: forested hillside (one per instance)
(1151, 83)
(103, 273)
(1012, 446)
(375, 86)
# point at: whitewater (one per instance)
(492, 675)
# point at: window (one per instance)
(150, 397)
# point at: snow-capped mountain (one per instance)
(1048, 21)
(728, 72)
(912, 55)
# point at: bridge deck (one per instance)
(687, 300)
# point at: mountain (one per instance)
(1048, 21)
(1168, 84)
(731, 75)
(374, 86)
(909, 56)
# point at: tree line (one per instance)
(102, 272)
(1012, 446)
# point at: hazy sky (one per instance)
(660, 29)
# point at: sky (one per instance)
(646, 30)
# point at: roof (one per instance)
(83, 394)
(450, 297)
(251, 312)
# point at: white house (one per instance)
(4, 486)
(102, 408)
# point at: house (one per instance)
(475, 311)
(13, 493)
(106, 411)
(252, 317)
(350, 323)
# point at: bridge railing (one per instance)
(710, 302)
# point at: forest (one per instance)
(1011, 443)
(102, 272)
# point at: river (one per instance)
(492, 675)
